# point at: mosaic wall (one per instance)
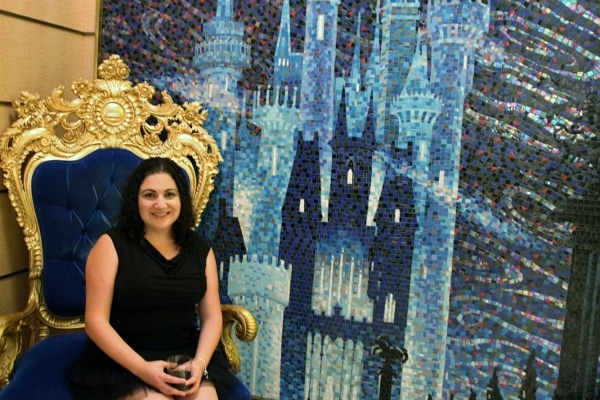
(408, 198)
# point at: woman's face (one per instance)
(159, 202)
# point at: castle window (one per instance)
(397, 216)
(350, 172)
(223, 140)
(422, 151)
(301, 207)
(321, 27)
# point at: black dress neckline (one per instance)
(165, 264)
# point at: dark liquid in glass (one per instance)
(180, 374)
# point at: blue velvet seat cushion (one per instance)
(40, 372)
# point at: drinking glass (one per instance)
(181, 367)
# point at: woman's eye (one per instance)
(148, 195)
(170, 195)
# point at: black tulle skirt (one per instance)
(95, 376)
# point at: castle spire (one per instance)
(356, 96)
(373, 76)
(224, 10)
(355, 71)
(287, 64)
(341, 125)
(398, 41)
(283, 48)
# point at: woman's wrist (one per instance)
(205, 373)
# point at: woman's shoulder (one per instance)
(200, 240)
(119, 238)
(115, 234)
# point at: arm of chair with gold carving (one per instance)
(246, 330)
(11, 340)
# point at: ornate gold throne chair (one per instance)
(64, 162)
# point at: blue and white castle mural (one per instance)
(391, 171)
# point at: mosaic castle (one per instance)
(335, 215)
(350, 278)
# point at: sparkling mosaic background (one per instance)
(408, 191)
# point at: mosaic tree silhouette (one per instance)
(391, 356)
(529, 383)
(473, 395)
(493, 387)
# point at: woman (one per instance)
(143, 281)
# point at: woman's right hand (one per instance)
(154, 373)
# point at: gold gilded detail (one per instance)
(113, 113)
(109, 112)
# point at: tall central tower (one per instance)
(318, 85)
(456, 28)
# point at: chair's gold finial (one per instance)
(113, 68)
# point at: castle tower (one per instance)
(279, 119)
(343, 245)
(356, 96)
(246, 161)
(398, 40)
(456, 28)
(220, 59)
(301, 217)
(417, 110)
(391, 254)
(373, 75)
(402, 195)
(372, 83)
(264, 288)
(318, 89)
(351, 171)
(288, 65)
(222, 56)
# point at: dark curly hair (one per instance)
(129, 220)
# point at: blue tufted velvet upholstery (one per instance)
(76, 201)
(72, 220)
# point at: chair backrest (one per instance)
(64, 163)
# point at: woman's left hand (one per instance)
(197, 372)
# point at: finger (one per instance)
(178, 388)
(174, 380)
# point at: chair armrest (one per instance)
(246, 330)
(11, 343)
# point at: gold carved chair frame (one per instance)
(110, 112)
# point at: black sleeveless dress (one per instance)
(153, 310)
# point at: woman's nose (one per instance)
(160, 201)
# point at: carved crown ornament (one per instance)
(110, 112)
